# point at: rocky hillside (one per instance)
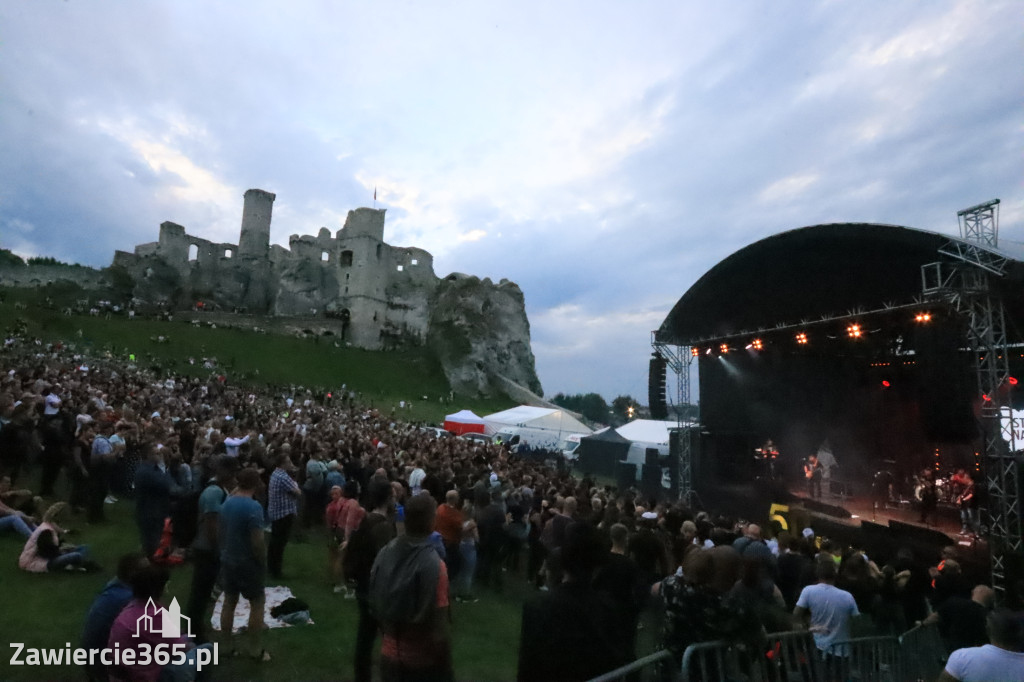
(480, 332)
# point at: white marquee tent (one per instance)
(558, 422)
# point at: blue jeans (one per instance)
(73, 558)
(16, 523)
(467, 567)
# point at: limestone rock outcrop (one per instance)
(480, 332)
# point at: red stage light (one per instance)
(1013, 381)
(984, 396)
(885, 383)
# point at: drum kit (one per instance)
(890, 489)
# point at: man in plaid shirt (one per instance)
(283, 505)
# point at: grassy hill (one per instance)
(46, 610)
(383, 379)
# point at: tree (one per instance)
(8, 258)
(591, 405)
(623, 409)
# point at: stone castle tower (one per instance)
(378, 295)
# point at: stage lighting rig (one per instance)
(723, 349)
(923, 318)
(801, 339)
(757, 344)
(854, 331)
(695, 351)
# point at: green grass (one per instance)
(47, 610)
(383, 379)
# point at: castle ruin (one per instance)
(370, 293)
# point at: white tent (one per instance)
(646, 434)
(647, 431)
(464, 421)
(544, 424)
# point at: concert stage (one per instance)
(855, 343)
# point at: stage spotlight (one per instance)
(707, 352)
(757, 344)
(853, 331)
(885, 383)
(984, 396)
(695, 352)
(801, 338)
(724, 348)
(923, 317)
(1013, 381)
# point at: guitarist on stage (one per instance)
(968, 506)
(929, 496)
(813, 472)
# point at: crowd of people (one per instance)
(223, 475)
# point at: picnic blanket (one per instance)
(272, 597)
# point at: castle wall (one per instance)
(385, 290)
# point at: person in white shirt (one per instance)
(827, 610)
(52, 401)
(231, 444)
(416, 477)
(1000, 661)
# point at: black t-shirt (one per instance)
(962, 623)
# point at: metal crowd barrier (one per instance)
(916, 655)
(642, 668)
(924, 652)
(793, 657)
(784, 657)
(866, 659)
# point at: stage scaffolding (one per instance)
(964, 281)
(679, 359)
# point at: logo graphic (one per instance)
(169, 621)
(1012, 422)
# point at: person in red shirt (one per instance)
(449, 524)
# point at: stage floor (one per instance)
(946, 518)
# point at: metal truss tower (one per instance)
(679, 359)
(964, 281)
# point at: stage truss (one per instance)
(964, 282)
(679, 359)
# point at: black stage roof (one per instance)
(822, 270)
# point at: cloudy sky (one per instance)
(603, 155)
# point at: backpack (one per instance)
(360, 551)
(403, 583)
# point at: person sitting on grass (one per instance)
(44, 551)
(140, 624)
(20, 499)
(18, 521)
(105, 608)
